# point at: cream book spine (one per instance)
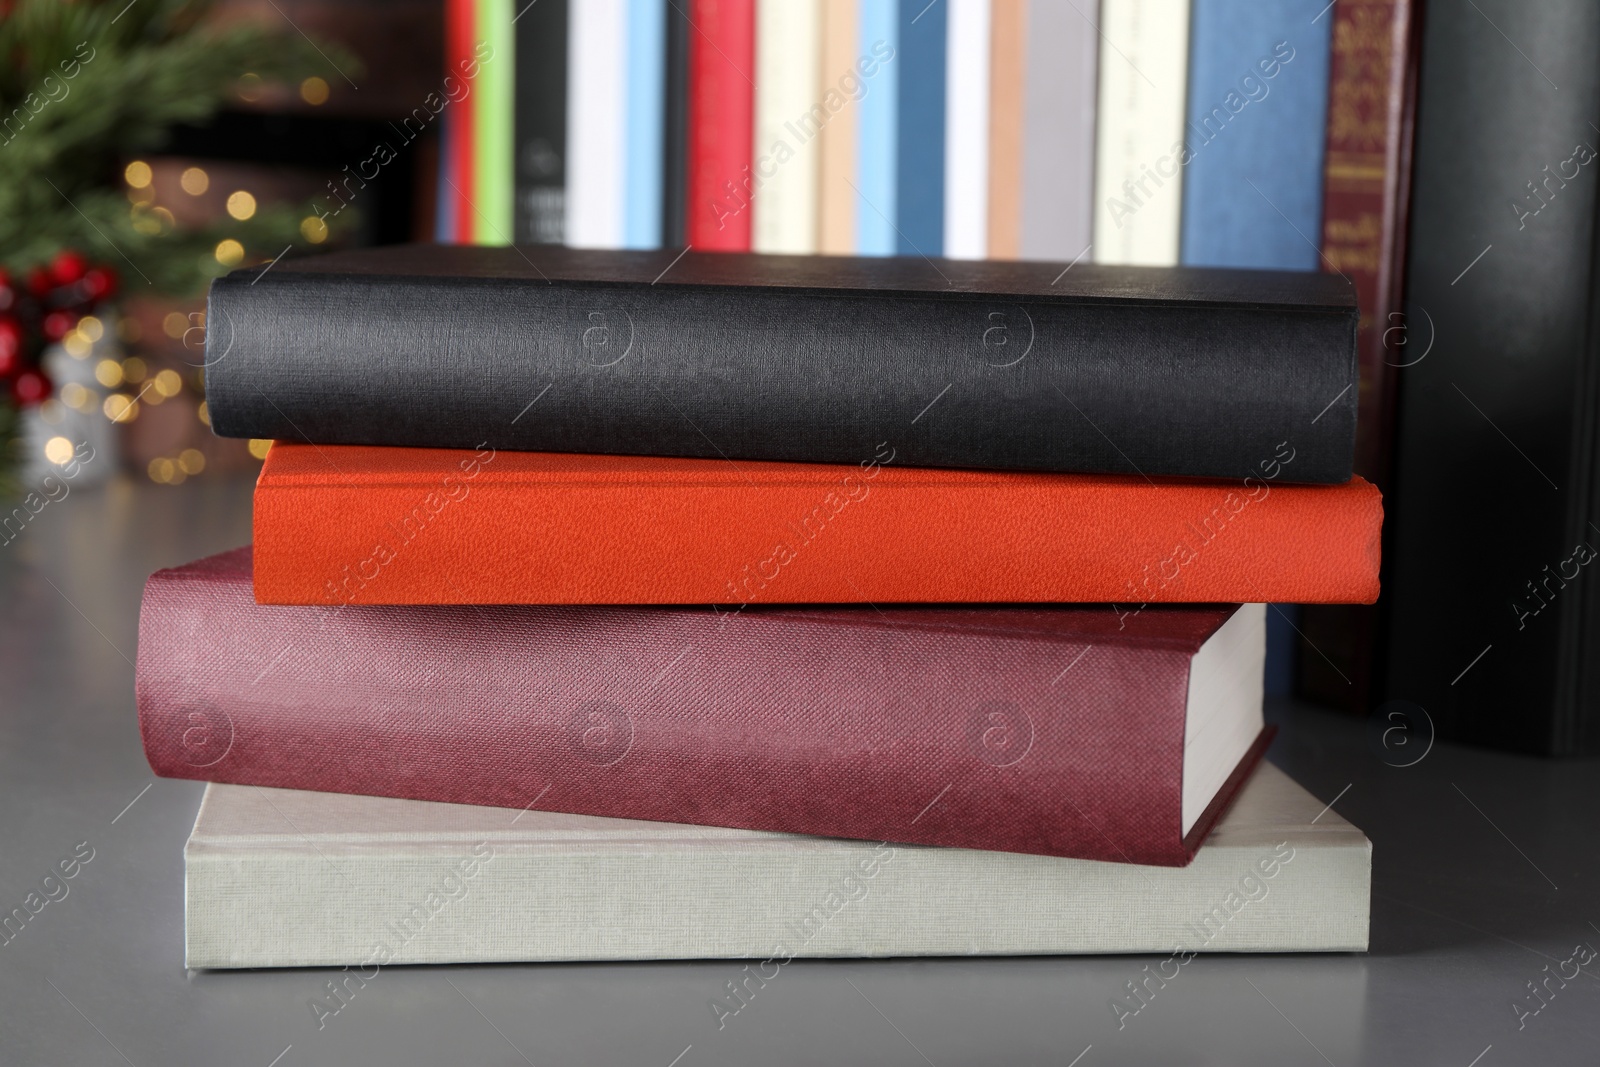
(278, 878)
(1139, 152)
(789, 119)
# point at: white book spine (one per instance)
(966, 130)
(596, 207)
(789, 115)
(1138, 150)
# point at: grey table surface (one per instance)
(1485, 875)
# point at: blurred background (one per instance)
(1438, 158)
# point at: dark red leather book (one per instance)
(1065, 731)
(1372, 97)
(721, 124)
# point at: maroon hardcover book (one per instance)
(1094, 732)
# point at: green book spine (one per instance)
(493, 193)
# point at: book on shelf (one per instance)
(721, 124)
(1058, 151)
(539, 215)
(790, 119)
(990, 364)
(425, 882)
(966, 130)
(1371, 124)
(1493, 606)
(1139, 132)
(1075, 731)
(920, 67)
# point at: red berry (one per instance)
(30, 388)
(40, 282)
(99, 282)
(10, 353)
(10, 344)
(68, 267)
(57, 323)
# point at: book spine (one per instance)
(957, 739)
(596, 124)
(1367, 177)
(1372, 98)
(1007, 80)
(712, 386)
(878, 66)
(1502, 259)
(722, 72)
(789, 117)
(675, 124)
(460, 31)
(541, 122)
(1058, 151)
(494, 131)
(644, 108)
(444, 200)
(1139, 134)
(1257, 119)
(966, 130)
(919, 138)
(839, 138)
(826, 534)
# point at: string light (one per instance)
(229, 253)
(118, 407)
(76, 344)
(191, 461)
(58, 450)
(313, 229)
(168, 383)
(133, 370)
(314, 91)
(108, 372)
(241, 205)
(194, 181)
(137, 174)
(203, 413)
(259, 447)
(76, 397)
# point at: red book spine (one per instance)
(722, 62)
(957, 727)
(460, 27)
(441, 526)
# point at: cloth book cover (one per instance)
(418, 526)
(1063, 731)
(981, 364)
(443, 883)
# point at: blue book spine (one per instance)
(444, 200)
(645, 115)
(919, 151)
(877, 204)
(1252, 188)
(1257, 115)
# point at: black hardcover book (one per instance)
(1493, 584)
(1026, 366)
(541, 122)
(675, 148)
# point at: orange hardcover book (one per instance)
(361, 525)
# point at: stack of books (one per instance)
(617, 605)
